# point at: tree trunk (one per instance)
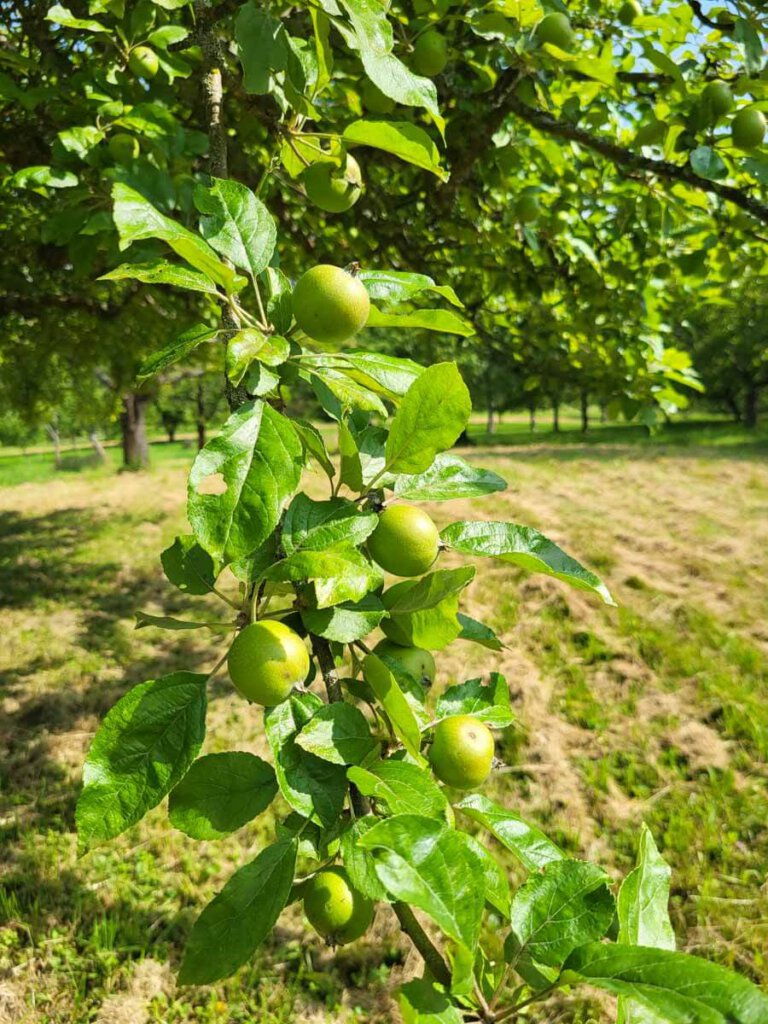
(584, 412)
(97, 446)
(171, 431)
(751, 399)
(54, 435)
(490, 425)
(134, 426)
(200, 416)
(733, 408)
(532, 418)
(603, 412)
(556, 415)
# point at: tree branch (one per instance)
(213, 96)
(429, 952)
(633, 163)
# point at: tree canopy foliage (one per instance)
(558, 188)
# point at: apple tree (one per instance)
(334, 606)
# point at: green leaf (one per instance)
(238, 920)
(80, 140)
(433, 413)
(642, 910)
(159, 271)
(443, 320)
(497, 892)
(252, 344)
(388, 375)
(136, 219)
(395, 286)
(142, 749)
(319, 525)
(565, 905)
(422, 1002)
(220, 793)
(392, 699)
(478, 633)
(644, 898)
(63, 16)
(425, 863)
(144, 619)
(338, 394)
(42, 177)
(279, 299)
(178, 349)
(350, 466)
(259, 458)
(237, 225)
(375, 40)
(707, 163)
(523, 546)
(313, 787)
(340, 574)
(403, 788)
(402, 139)
(263, 47)
(679, 988)
(529, 844)
(314, 445)
(487, 701)
(338, 733)
(188, 566)
(423, 613)
(448, 477)
(345, 622)
(359, 863)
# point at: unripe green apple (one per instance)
(334, 189)
(462, 751)
(556, 29)
(430, 53)
(123, 148)
(527, 208)
(143, 62)
(405, 541)
(718, 98)
(266, 661)
(415, 660)
(374, 100)
(628, 11)
(334, 909)
(329, 304)
(748, 128)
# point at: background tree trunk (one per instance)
(532, 418)
(200, 420)
(584, 398)
(97, 446)
(490, 423)
(54, 435)
(751, 401)
(556, 415)
(133, 422)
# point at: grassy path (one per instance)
(656, 711)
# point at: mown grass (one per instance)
(655, 711)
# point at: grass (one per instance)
(654, 711)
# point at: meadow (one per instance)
(655, 711)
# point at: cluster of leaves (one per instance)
(579, 297)
(353, 770)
